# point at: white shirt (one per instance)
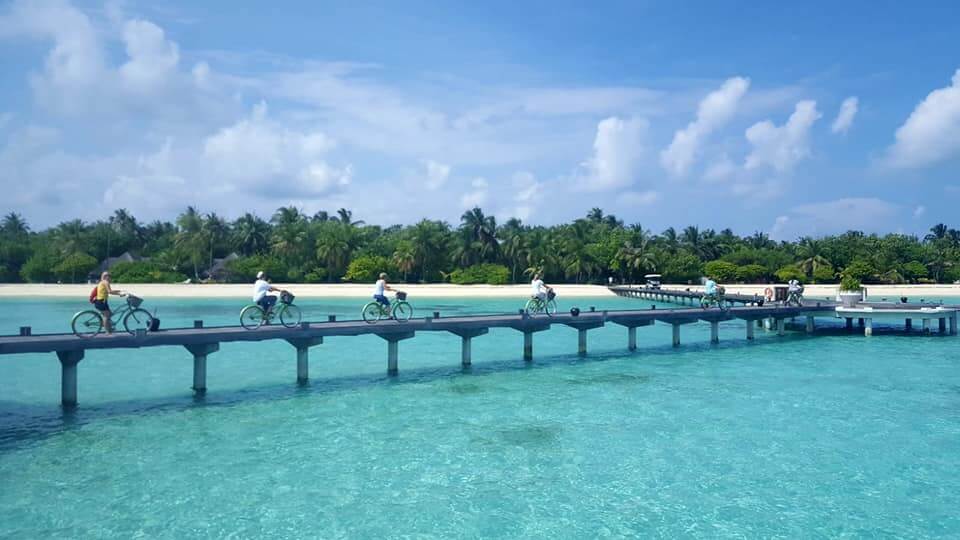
(260, 289)
(378, 288)
(537, 286)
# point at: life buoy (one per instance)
(768, 293)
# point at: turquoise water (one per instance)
(823, 436)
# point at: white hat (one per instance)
(260, 274)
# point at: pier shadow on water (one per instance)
(23, 424)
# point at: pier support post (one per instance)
(781, 324)
(393, 352)
(809, 324)
(466, 345)
(68, 376)
(714, 331)
(303, 355)
(909, 325)
(582, 341)
(942, 323)
(860, 322)
(750, 327)
(868, 327)
(528, 346)
(676, 335)
(926, 326)
(953, 324)
(200, 353)
(849, 323)
(632, 338)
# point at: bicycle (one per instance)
(254, 316)
(398, 310)
(716, 300)
(536, 305)
(89, 322)
(794, 298)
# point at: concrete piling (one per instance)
(68, 376)
(303, 356)
(200, 353)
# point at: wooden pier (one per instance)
(202, 342)
(682, 297)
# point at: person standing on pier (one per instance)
(261, 290)
(102, 297)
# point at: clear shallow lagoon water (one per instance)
(799, 436)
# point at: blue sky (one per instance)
(788, 118)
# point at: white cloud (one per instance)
(528, 193)
(476, 196)
(844, 119)
(781, 147)
(932, 132)
(437, 174)
(919, 211)
(616, 150)
(713, 113)
(719, 170)
(829, 217)
(639, 198)
(152, 58)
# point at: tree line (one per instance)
(294, 247)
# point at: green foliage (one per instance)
(914, 270)
(244, 269)
(751, 273)
(786, 273)
(721, 271)
(73, 266)
(366, 268)
(682, 268)
(145, 272)
(849, 283)
(824, 274)
(317, 275)
(861, 270)
(39, 267)
(491, 274)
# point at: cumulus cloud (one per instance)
(152, 58)
(477, 196)
(713, 113)
(436, 174)
(919, 211)
(844, 119)
(617, 149)
(720, 170)
(782, 147)
(932, 132)
(857, 213)
(527, 192)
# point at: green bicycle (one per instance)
(536, 305)
(89, 322)
(254, 316)
(398, 310)
(716, 300)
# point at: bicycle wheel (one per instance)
(551, 307)
(402, 311)
(87, 324)
(371, 312)
(290, 315)
(532, 307)
(251, 317)
(138, 318)
(704, 303)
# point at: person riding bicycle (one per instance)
(538, 289)
(794, 290)
(101, 301)
(261, 290)
(710, 288)
(380, 288)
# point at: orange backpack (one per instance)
(93, 294)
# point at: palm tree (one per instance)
(14, 225)
(346, 216)
(70, 236)
(637, 256)
(216, 231)
(812, 252)
(937, 232)
(190, 238)
(595, 215)
(404, 257)
(250, 234)
(514, 245)
(759, 240)
(320, 217)
(670, 240)
(479, 234)
(335, 246)
(429, 242)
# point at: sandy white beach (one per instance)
(440, 290)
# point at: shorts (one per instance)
(381, 299)
(101, 305)
(267, 302)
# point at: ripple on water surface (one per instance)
(795, 437)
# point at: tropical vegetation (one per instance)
(292, 246)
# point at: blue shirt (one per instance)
(710, 287)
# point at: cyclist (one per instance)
(794, 291)
(101, 300)
(380, 288)
(538, 289)
(261, 290)
(710, 287)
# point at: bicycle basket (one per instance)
(286, 298)
(134, 301)
(721, 290)
(401, 295)
(551, 295)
